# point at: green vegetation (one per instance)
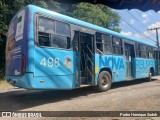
(1, 75)
(4, 85)
(96, 14)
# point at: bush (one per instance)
(2, 74)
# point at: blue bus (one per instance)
(48, 50)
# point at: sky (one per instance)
(136, 23)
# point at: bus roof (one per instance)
(85, 24)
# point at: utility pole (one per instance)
(156, 29)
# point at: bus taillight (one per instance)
(23, 66)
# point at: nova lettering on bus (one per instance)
(113, 62)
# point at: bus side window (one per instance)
(107, 44)
(150, 55)
(142, 50)
(62, 28)
(137, 50)
(150, 52)
(46, 25)
(155, 54)
(103, 43)
(43, 39)
(45, 28)
(53, 33)
(59, 41)
(99, 42)
(117, 46)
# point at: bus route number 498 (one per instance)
(50, 62)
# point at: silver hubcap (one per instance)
(104, 80)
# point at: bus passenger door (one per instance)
(77, 57)
(157, 63)
(129, 54)
(84, 45)
(89, 57)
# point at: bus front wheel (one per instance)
(104, 81)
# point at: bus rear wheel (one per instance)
(104, 81)
(149, 78)
(151, 73)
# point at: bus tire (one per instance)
(149, 79)
(104, 81)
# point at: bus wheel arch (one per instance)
(104, 79)
(106, 69)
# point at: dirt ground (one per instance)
(137, 95)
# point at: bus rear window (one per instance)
(53, 33)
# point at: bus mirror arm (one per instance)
(99, 51)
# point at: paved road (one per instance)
(123, 96)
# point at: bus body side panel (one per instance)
(118, 68)
(52, 66)
(115, 63)
(143, 66)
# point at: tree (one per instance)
(96, 14)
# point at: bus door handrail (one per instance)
(90, 60)
(89, 50)
(90, 72)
